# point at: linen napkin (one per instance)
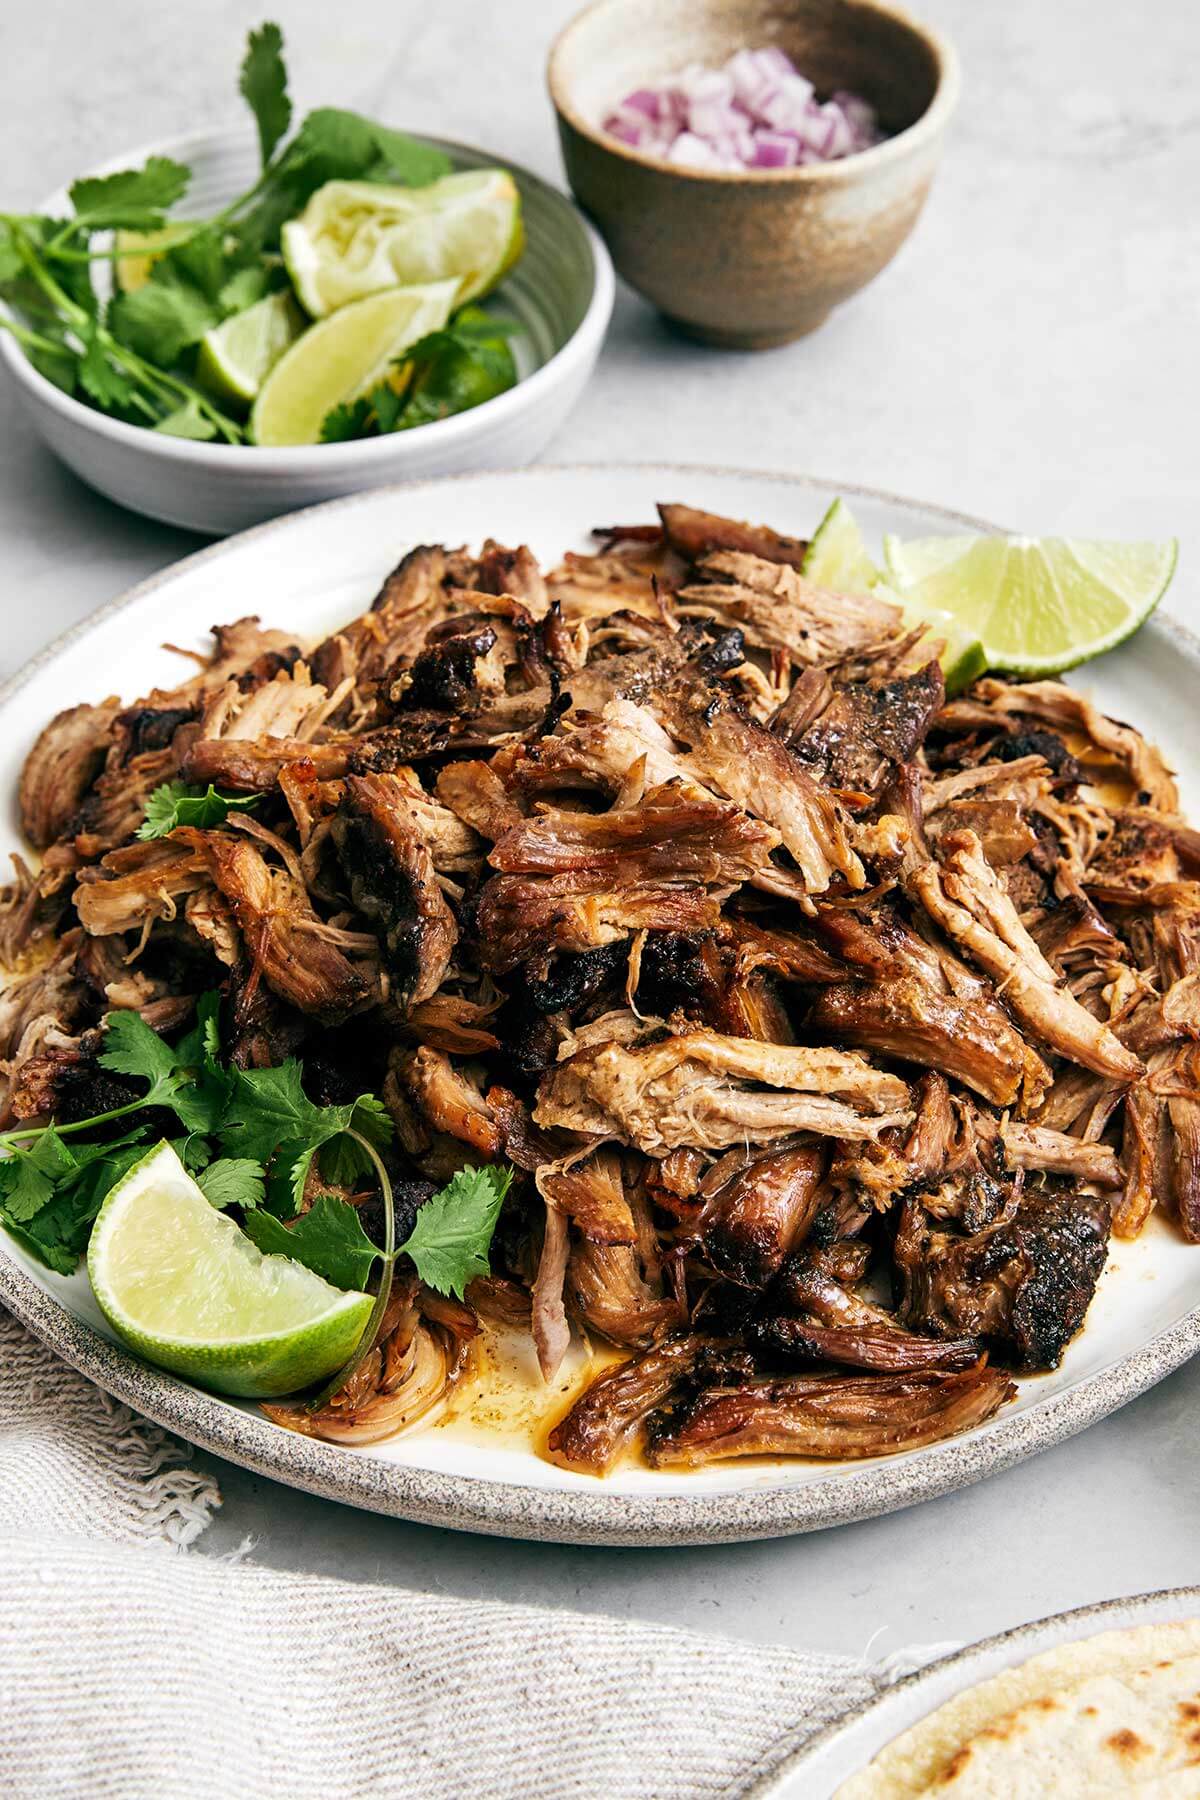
(127, 1669)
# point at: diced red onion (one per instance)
(642, 100)
(757, 112)
(775, 150)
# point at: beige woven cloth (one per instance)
(128, 1670)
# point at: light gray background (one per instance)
(1031, 357)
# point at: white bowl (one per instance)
(561, 292)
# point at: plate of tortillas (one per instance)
(1104, 1700)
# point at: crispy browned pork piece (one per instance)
(393, 882)
(695, 535)
(758, 1208)
(835, 1415)
(1023, 1282)
(607, 1419)
(777, 609)
(828, 1026)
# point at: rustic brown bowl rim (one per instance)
(931, 122)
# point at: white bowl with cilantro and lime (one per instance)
(232, 325)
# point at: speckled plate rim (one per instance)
(470, 1503)
(843, 1749)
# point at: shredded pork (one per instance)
(828, 1026)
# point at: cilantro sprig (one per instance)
(180, 803)
(258, 1145)
(447, 371)
(134, 355)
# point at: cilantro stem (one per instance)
(168, 389)
(366, 1342)
(8, 1139)
(58, 246)
(32, 340)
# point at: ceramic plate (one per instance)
(320, 567)
(817, 1771)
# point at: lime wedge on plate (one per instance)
(138, 251)
(837, 558)
(339, 358)
(188, 1290)
(1039, 605)
(356, 237)
(236, 357)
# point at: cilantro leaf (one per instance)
(263, 85)
(12, 263)
(244, 288)
(192, 1152)
(343, 1159)
(100, 377)
(353, 419)
(450, 1241)
(200, 261)
(57, 1233)
(134, 199)
(234, 1181)
(177, 803)
(187, 421)
(163, 317)
(371, 1118)
(401, 160)
(201, 1047)
(457, 368)
(30, 1176)
(269, 1111)
(131, 1047)
(328, 1239)
(373, 414)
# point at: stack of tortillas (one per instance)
(1114, 1714)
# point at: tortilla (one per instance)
(1148, 1674)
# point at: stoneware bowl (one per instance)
(561, 293)
(752, 259)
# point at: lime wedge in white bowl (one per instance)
(356, 237)
(1038, 605)
(236, 357)
(342, 356)
(186, 1289)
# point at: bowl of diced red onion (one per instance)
(750, 163)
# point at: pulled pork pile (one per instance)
(830, 1026)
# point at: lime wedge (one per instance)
(342, 356)
(356, 237)
(188, 1290)
(837, 558)
(138, 251)
(1039, 605)
(236, 357)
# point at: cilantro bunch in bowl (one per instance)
(328, 287)
(202, 311)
